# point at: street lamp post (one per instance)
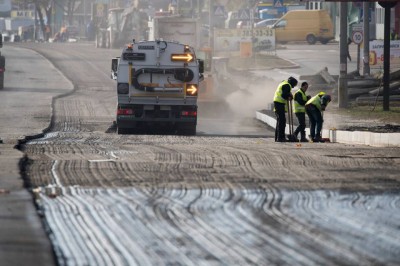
(386, 53)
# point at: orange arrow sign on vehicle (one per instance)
(192, 90)
(182, 57)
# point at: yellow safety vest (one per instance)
(278, 93)
(316, 101)
(298, 108)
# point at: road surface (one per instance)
(230, 199)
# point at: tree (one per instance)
(46, 6)
(40, 5)
(68, 6)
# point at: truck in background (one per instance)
(125, 24)
(176, 28)
(157, 84)
(121, 26)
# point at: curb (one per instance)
(347, 137)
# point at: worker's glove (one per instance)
(290, 97)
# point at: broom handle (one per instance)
(291, 117)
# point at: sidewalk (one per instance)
(337, 135)
(25, 109)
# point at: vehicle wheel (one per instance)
(122, 131)
(1, 81)
(188, 130)
(3, 66)
(324, 41)
(311, 39)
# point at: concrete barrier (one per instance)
(342, 136)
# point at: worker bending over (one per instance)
(314, 108)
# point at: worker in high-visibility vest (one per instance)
(300, 99)
(314, 108)
(282, 95)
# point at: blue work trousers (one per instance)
(280, 121)
(316, 121)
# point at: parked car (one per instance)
(265, 22)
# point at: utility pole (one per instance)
(342, 89)
(386, 53)
(36, 22)
(366, 70)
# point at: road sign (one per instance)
(101, 10)
(357, 27)
(357, 37)
(219, 11)
(278, 3)
(244, 14)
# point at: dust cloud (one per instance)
(238, 95)
(254, 94)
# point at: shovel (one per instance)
(291, 136)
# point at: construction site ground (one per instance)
(73, 193)
(354, 118)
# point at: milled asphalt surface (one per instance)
(25, 109)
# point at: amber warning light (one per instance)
(191, 89)
(182, 57)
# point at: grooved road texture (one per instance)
(158, 199)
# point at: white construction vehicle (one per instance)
(157, 84)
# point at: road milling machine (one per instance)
(157, 84)
(121, 25)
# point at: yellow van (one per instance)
(304, 25)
